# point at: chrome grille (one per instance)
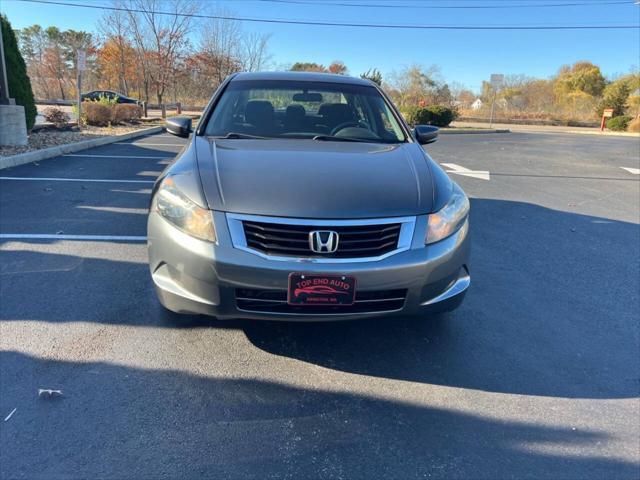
(286, 239)
(354, 241)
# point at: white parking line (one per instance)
(10, 415)
(40, 236)
(151, 144)
(459, 170)
(117, 156)
(633, 171)
(129, 210)
(95, 180)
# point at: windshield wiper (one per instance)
(235, 135)
(333, 138)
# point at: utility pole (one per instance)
(496, 83)
(493, 107)
(81, 66)
(4, 83)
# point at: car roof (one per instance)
(109, 91)
(301, 77)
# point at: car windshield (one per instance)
(303, 109)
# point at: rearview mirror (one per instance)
(180, 126)
(307, 97)
(426, 134)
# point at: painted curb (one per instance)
(460, 131)
(35, 156)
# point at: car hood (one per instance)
(314, 179)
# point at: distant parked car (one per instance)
(120, 98)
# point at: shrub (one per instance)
(19, 83)
(619, 123)
(97, 114)
(438, 115)
(82, 119)
(634, 125)
(127, 112)
(56, 116)
(104, 100)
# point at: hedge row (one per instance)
(101, 114)
(438, 115)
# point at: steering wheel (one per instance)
(352, 123)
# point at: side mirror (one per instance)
(426, 134)
(180, 126)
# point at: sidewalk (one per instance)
(543, 129)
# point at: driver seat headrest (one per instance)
(336, 113)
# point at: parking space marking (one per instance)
(10, 415)
(633, 171)
(141, 191)
(459, 170)
(54, 179)
(46, 236)
(134, 211)
(151, 144)
(165, 157)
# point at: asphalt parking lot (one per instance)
(537, 375)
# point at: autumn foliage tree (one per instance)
(336, 67)
(117, 66)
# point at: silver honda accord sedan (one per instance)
(305, 196)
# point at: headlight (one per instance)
(177, 209)
(450, 218)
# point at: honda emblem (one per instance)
(323, 241)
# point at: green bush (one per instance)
(104, 100)
(438, 115)
(19, 83)
(619, 123)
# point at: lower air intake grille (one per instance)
(275, 301)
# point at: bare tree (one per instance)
(229, 49)
(255, 54)
(160, 39)
(220, 44)
(414, 85)
(113, 26)
(33, 46)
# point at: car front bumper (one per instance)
(196, 277)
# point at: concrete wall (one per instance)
(13, 126)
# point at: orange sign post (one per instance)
(606, 113)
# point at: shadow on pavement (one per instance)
(122, 422)
(552, 309)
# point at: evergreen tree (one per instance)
(19, 83)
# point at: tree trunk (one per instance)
(162, 107)
(123, 81)
(61, 88)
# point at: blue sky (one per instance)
(467, 57)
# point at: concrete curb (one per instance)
(37, 155)
(582, 132)
(462, 130)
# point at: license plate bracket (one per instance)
(319, 289)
